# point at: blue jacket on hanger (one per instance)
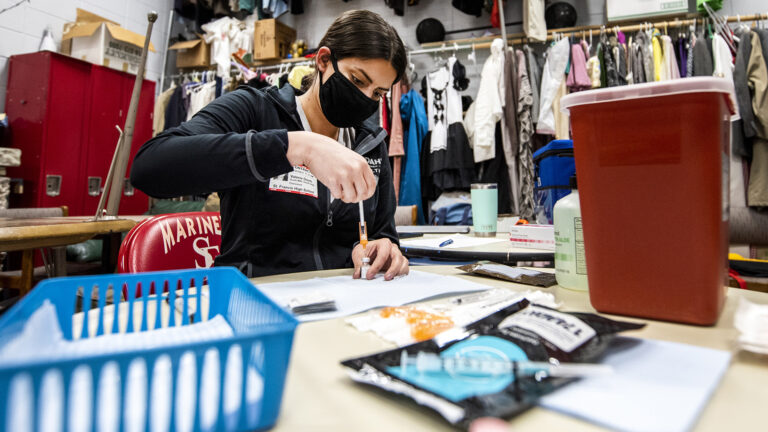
(415, 125)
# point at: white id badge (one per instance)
(299, 181)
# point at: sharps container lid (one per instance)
(654, 89)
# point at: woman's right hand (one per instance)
(345, 173)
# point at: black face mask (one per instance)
(343, 104)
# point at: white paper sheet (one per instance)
(656, 386)
(358, 295)
(459, 241)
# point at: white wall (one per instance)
(21, 28)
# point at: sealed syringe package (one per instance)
(516, 335)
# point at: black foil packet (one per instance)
(519, 332)
(511, 274)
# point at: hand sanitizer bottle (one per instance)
(570, 260)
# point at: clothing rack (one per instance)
(519, 38)
(289, 66)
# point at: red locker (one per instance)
(63, 113)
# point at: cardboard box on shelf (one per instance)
(98, 40)
(192, 53)
(272, 39)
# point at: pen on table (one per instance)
(364, 242)
(446, 243)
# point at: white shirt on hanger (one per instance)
(488, 105)
(721, 55)
(437, 100)
(551, 77)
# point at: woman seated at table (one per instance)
(290, 166)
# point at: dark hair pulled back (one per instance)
(363, 34)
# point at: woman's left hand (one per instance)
(385, 256)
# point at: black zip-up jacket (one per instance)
(234, 146)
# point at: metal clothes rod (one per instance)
(485, 43)
(281, 65)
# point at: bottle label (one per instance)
(581, 258)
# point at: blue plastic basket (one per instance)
(263, 335)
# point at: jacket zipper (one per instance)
(362, 148)
(316, 239)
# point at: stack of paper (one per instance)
(656, 386)
(358, 295)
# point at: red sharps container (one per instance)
(652, 162)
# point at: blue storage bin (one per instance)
(554, 166)
(263, 336)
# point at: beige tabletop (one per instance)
(319, 395)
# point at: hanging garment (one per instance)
(702, 58)
(578, 77)
(593, 70)
(609, 75)
(534, 76)
(396, 149)
(161, 104)
(743, 128)
(176, 112)
(761, 86)
(682, 55)
(638, 60)
(247, 5)
(384, 114)
(297, 74)
(415, 125)
(689, 58)
(721, 55)
(657, 55)
(199, 97)
(451, 167)
(495, 19)
(509, 132)
(495, 171)
(553, 75)
(534, 24)
(757, 192)
(630, 62)
(488, 105)
(743, 90)
(562, 125)
(645, 40)
(669, 69)
(437, 100)
(525, 152)
(620, 62)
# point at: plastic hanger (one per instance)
(472, 56)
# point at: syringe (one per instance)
(363, 241)
(484, 366)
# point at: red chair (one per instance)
(171, 242)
